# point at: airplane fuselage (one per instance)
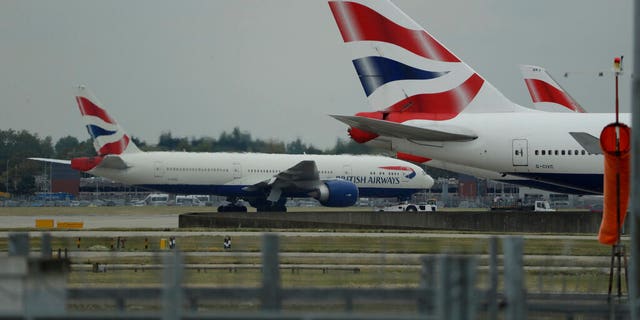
(532, 145)
(227, 174)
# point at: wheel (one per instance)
(411, 209)
(222, 209)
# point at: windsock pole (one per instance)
(615, 141)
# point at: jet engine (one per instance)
(337, 193)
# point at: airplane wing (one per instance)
(303, 176)
(60, 161)
(588, 142)
(398, 130)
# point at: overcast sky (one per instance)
(273, 68)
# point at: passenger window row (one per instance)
(198, 169)
(561, 152)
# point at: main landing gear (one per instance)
(234, 205)
(268, 206)
(261, 205)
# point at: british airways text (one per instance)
(370, 179)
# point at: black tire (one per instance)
(411, 209)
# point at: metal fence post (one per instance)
(19, 244)
(45, 246)
(271, 295)
(492, 299)
(512, 249)
(427, 283)
(455, 293)
(172, 293)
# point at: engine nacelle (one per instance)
(337, 193)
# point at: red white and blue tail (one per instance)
(546, 93)
(402, 68)
(108, 137)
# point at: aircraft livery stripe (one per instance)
(360, 23)
(88, 108)
(544, 92)
(377, 71)
(116, 147)
(442, 105)
(95, 131)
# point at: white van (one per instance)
(157, 199)
(191, 200)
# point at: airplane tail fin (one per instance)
(108, 137)
(546, 93)
(402, 68)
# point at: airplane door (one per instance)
(158, 169)
(236, 170)
(519, 152)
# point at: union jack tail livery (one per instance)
(108, 137)
(404, 71)
(546, 93)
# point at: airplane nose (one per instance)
(428, 180)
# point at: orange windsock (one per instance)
(615, 141)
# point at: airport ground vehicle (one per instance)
(157, 199)
(190, 200)
(430, 206)
(537, 206)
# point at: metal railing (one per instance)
(447, 288)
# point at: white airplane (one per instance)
(546, 93)
(264, 180)
(433, 105)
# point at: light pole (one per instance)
(7, 173)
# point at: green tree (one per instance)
(15, 148)
(167, 142)
(235, 141)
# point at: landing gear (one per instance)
(268, 206)
(233, 206)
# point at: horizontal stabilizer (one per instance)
(67, 162)
(588, 142)
(403, 131)
(113, 162)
